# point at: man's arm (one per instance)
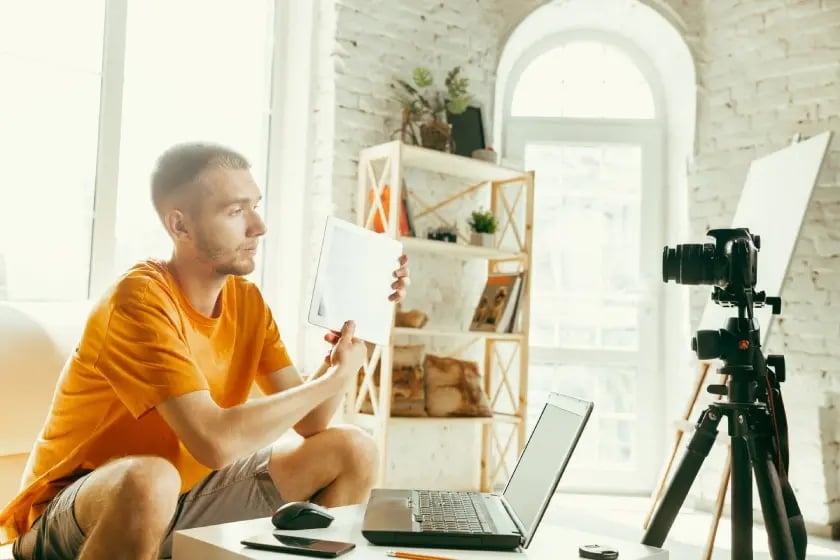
(217, 436)
(288, 378)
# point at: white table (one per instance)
(221, 542)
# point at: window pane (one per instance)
(586, 245)
(586, 80)
(214, 87)
(49, 110)
(611, 432)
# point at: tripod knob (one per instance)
(775, 303)
(777, 362)
(706, 344)
(718, 390)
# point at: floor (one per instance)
(623, 517)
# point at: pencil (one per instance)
(415, 556)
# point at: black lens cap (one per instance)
(598, 552)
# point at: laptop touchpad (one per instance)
(389, 512)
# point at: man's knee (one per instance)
(146, 488)
(357, 448)
(149, 479)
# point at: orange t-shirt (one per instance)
(143, 343)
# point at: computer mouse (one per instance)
(301, 515)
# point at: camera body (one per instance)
(730, 263)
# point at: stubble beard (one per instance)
(224, 261)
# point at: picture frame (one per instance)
(467, 130)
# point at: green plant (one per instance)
(421, 100)
(483, 221)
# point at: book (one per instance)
(496, 305)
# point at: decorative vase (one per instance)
(482, 239)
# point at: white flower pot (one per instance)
(482, 239)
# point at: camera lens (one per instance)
(691, 263)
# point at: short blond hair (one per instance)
(179, 167)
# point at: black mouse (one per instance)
(301, 515)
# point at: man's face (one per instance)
(224, 223)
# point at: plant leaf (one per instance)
(422, 77)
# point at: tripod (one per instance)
(758, 432)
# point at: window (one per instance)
(598, 191)
(49, 110)
(213, 87)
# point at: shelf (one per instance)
(451, 333)
(459, 250)
(427, 159)
(370, 421)
(453, 164)
(386, 164)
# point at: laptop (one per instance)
(483, 521)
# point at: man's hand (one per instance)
(402, 281)
(348, 353)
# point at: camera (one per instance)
(729, 263)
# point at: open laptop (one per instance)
(443, 519)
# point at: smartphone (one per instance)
(279, 542)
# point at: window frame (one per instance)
(560, 39)
(103, 230)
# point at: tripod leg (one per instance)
(721, 498)
(741, 506)
(772, 504)
(657, 493)
(698, 449)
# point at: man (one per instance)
(151, 429)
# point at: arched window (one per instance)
(586, 79)
(586, 110)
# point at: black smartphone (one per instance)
(279, 542)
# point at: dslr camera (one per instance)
(729, 263)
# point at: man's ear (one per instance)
(176, 224)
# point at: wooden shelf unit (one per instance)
(384, 165)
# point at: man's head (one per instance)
(207, 199)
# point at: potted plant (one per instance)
(424, 107)
(483, 225)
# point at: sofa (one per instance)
(35, 341)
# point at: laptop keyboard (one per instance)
(451, 512)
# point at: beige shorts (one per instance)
(240, 491)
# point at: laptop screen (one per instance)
(544, 459)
